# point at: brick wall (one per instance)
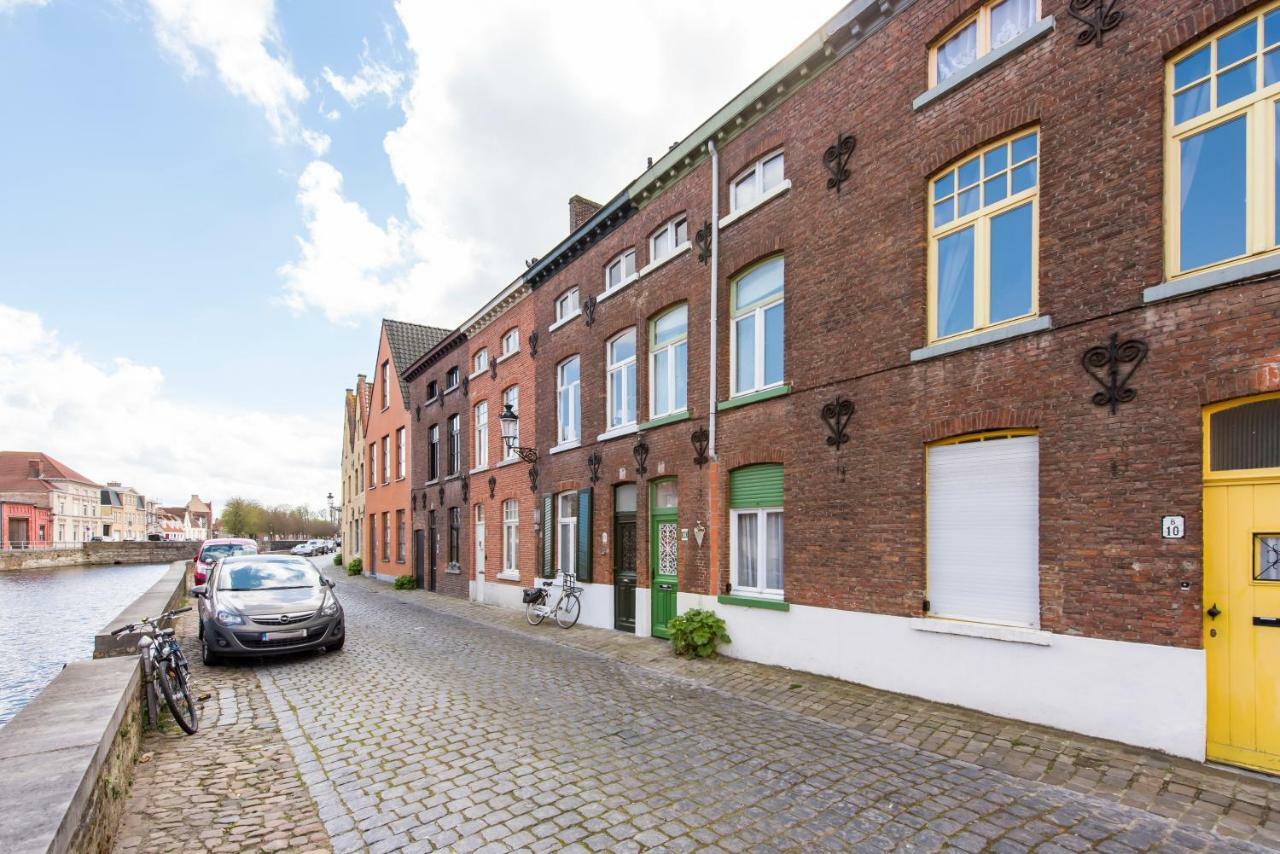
(392, 496)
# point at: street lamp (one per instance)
(331, 516)
(510, 423)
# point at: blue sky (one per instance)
(209, 204)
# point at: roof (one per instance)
(15, 470)
(407, 343)
(111, 498)
(198, 505)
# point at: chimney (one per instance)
(580, 210)
(36, 469)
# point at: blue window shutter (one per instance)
(584, 535)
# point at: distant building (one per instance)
(124, 513)
(356, 411)
(24, 510)
(171, 527)
(199, 518)
(74, 501)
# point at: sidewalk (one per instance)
(1234, 804)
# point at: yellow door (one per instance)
(1242, 583)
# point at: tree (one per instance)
(242, 517)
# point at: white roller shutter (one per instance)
(984, 531)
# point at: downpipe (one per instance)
(715, 292)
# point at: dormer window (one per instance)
(567, 304)
(754, 184)
(620, 270)
(664, 242)
(451, 379)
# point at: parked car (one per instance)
(309, 548)
(212, 551)
(267, 604)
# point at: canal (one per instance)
(49, 616)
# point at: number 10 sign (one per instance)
(1173, 527)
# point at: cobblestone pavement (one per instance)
(233, 786)
(437, 730)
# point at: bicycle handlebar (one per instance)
(150, 621)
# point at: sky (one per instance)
(206, 206)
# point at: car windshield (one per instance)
(267, 576)
(221, 550)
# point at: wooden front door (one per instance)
(433, 550)
(624, 572)
(419, 558)
(1242, 583)
(664, 554)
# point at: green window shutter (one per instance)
(584, 535)
(756, 486)
(548, 536)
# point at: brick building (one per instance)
(387, 449)
(353, 462)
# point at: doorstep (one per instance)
(1237, 805)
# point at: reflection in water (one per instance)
(49, 617)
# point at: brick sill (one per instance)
(753, 397)
(752, 602)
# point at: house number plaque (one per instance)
(1173, 527)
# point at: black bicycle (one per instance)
(164, 669)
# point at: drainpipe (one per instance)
(715, 285)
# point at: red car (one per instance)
(212, 551)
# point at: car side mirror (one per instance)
(200, 591)
(327, 582)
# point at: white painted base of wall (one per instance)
(1141, 694)
(597, 600)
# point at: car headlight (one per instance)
(228, 618)
(330, 607)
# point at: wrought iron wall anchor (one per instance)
(493, 369)
(1098, 17)
(533, 478)
(493, 485)
(701, 441)
(442, 496)
(702, 239)
(589, 311)
(466, 490)
(593, 465)
(1105, 364)
(836, 159)
(466, 386)
(533, 343)
(641, 453)
(837, 414)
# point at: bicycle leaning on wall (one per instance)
(164, 669)
(567, 607)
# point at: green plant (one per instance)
(337, 558)
(697, 633)
(355, 566)
(404, 582)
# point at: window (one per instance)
(757, 332)
(511, 342)
(386, 536)
(989, 28)
(482, 435)
(669, 363)
(386, 384)
(510, 536)
(567, 304)
(620, 270)
(621, 387)
(567, 533)
(451, 379)
(455, 533)
(400, 536)
(751, 186)
(983, 238)
(568, 409)
(481, 361)
(755, 530)
(433, 452)
(432, 390)
(455, 444)
(386, 459)
(373, 466)
(399, 453)
(1222, 156)
(511, 397)
(983, 546)
(666, 240)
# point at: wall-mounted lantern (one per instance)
(510, 424)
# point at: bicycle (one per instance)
(567, 608)
(164, 665)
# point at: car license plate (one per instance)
(296, 633)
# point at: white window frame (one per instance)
(562, 302)
(982, 39)
(386, 384)
(386, 459)
(574, 392)
(401, 436)
(511, 341)
(620, 261)
(454, 431)
(758, 309)
(620, 367)
(756, 171)
(762, 551)
(511, 395)
(670, 349)
(481, 418)
(452, 374)
(480, 362)
(669, 228)
(511, 536)
(567, 532)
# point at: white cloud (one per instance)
(242, 40)
(11, 5)
(55, 400)
(499, 131)
(373, 78)
(316, 141)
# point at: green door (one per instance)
(664, 553)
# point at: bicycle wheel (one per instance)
(533, 614)
(569, 611)
(173, 684)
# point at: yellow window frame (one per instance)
(1260, 148)
(1232, 475)
(981, 15)
(981, 222)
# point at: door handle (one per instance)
(1270, 622)
(1213, 611)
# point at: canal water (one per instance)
(49, 617)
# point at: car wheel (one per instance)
(334, 647)
(207, 655)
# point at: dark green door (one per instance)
(664, 553)
(624, 572)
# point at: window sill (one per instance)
(653, 265)
(562, 321)
(729, 220)
(753, 397)
(507, 576)
(507, 462)
(431, 400)
(987, 336)
(754, 602)
(450, 390)
(432, 482)
(567, 446)
(621, 286)
(662, 420)
(506, 356)
(454, 476)
(989, 631)
(479, 469)
(624, 430)
(453, 569)
(478, 374)
(991, 59)
(1196, 282)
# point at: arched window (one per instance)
(669, 363)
